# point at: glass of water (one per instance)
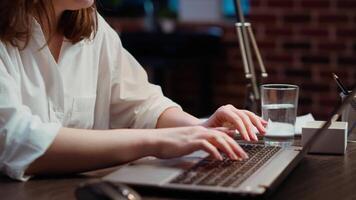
(279, 104)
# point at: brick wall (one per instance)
(302, 42)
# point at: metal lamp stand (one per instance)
(246, 37)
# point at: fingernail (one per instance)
(255, 137)
(245, 156)
(234, 157)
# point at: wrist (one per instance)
(158, 142)
(204, 123)
(151, 144)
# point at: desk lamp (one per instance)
(245, 34)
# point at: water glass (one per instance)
(279, 104)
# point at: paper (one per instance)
(301, 121)
(279, 129)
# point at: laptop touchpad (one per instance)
(153, 171)
(143, 174)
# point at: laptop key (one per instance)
(227, 173)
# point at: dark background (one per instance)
(199, 65)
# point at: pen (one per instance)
(341, 86)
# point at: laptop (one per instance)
(260, 174)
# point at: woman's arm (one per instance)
(78, 150)
(75, 150)
(175, 117)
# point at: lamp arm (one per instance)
(247, 49)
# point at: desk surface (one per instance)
(316, 177)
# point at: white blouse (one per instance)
(96, 84)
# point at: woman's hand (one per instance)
(176, 142)
(242, 120)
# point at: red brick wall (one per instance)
(302, 42)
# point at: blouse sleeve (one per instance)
(135, 103)
(23, 136)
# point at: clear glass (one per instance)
(279, 104)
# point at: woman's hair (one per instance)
(16, 19)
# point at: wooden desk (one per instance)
(316, 177)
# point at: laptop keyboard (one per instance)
(227, 173)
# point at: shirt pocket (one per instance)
(82, 114)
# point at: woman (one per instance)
(72, 99)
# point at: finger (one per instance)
(264, 122)
(248, 124)
(230, 132)
(256, 121)
(235, 119)
(218, 140)
(209, 148)
(221, 129)
(236, 148)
